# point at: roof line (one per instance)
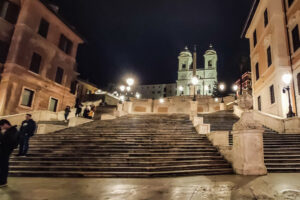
(47, 4)
(250, 17)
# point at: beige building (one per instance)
(85, 88)
(38, 51)
(273, 31)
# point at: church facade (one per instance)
(207, 76)
(187, 67)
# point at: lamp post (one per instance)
(130, 82)
(287, 78)
(180, 88)
(122, 89)
(195, 81)
(235, 88)
(222, 88)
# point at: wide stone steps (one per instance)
(131, 146)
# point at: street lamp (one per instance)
(195, 81)
(180, 88)
(122, 88)
(205, 89)
(161, 100)
(287, 78)
(137, 95)
(222, 89)
(130, 81)
(235, 88)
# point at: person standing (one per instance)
(9, 138)
(78, 107)
(27, 130)
(67, 112)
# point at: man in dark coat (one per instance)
(27, 130)
(8, 141)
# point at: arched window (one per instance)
(210, 63)
(298, 80)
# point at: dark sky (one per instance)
(144, 37)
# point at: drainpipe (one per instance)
(290, 52)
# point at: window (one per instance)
(27, 97)
(272, 94)
(9, 11)
(296, 41)
(259, 103)
(43, 29)
(35, 63)
(3, 51)
(65, 44)
(53, 104)
(73, 87)
(266, 17)
(290, 2)
(257, 71)
(269, 54)
(254, 38)
(59, 75)
(210, 63)
(183, 66)
(298, 80)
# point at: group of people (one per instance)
(10, 139)
(88, 112)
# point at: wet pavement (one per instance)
(272, 186)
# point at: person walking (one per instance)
(78, 107)
(27, 130)
(9, 139)
(67, 112)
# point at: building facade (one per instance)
(273, 32)
(157, 91)
(37, 58)
(207, 76)
(85, 88)
(244, 83)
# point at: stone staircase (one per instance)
(130, 146)
(282, 151)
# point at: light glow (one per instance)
(195, 80)
(287, 78)
(130, 81)
(122, 98)
(206, 87)
(222, 86)
(216, 100)
(161, 100)
(180, 88)
(128, 88)
(137, 95)
(122, 88)
(235, 87)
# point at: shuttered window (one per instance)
(35, 63)
(296, 41)
(27, 97)
(43, 29)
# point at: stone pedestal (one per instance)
(219, 138)
(120, 110)
(128, 106)
(248, 147)
(197, 121)
(222, 106)
(193, 109)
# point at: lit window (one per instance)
(53, 104)
(27, 97)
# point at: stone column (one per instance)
(248, 147)
(128, 106)
(193, 109)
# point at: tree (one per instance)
(216, 93)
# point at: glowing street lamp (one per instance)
(122, 88)
(122, 98)
(222, 89)
(161, 100)
(137, 95)
(180, 88)
(130, 81)
(235, 88)
(287, 78)
(195, 81)
(216, 100)
(128, 88)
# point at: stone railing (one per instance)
(278, 124)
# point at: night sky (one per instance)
(144, 37)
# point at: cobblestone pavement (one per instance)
(272, 186)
